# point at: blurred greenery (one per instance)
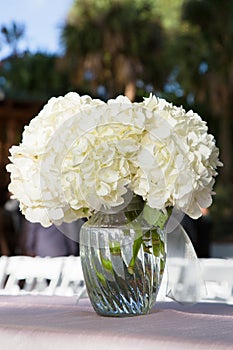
(32, 77)
(222, 213)
(181, 50)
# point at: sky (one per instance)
(42, 19)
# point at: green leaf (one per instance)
(101, 277)
(157, 244)
(155, 217)
(115, 248)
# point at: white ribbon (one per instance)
(184, 280)
(183, 274)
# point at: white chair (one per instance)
(182, 281)
(218, 276)
(33, 275)
(72, 280)
(171, 274)
(3, 264)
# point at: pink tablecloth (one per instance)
(44, 323)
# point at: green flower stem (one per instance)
(100, 276)
(157, 220)
(107, 264)
(136, 247)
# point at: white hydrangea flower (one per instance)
(80, 155)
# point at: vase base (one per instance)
(121, 315)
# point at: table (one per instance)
(43, 323)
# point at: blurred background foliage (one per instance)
(180, 50)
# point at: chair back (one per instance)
(72, 279)
(32, 275)
(3, 264)
(218, 276)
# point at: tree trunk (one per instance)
(130, 90)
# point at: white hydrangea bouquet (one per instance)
(81, 154)
(84, 158)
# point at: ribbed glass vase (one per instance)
(123, 261)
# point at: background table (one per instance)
(44, 323)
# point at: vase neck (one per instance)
(119, 217)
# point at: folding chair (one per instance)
(3, 264)
(34, 275)
(218, 276)
(72, 280)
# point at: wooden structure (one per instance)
(14, 115)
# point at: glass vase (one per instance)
(123, 260)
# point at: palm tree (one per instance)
(12, 35)
(111, 45)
